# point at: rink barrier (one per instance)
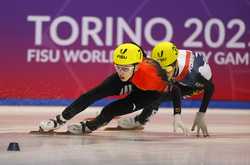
(65, 102)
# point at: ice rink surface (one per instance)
(229, 143)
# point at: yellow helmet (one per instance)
(165, 53)
(127, 53)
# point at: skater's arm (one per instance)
(109, 87)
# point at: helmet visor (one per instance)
(124, 68)
(125, 72)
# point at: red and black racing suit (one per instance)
(148, 84)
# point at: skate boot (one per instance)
(51, 124)
(79, 128)
(129, 123)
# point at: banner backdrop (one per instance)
(61, 48)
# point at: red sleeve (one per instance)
(147, 78)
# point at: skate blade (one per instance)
(118, 128)
(50, 133)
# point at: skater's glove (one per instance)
(177, 123)
(200, 123)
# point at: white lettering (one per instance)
(87, 56)
(158, 20)
(38, 20)
(222, 58)
(109, 31)
(54, 31)
(43, 56)
(93, 33)
(122, 26)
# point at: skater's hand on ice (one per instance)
(200, 123)
(177, 123)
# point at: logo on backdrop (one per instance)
(93, 39)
